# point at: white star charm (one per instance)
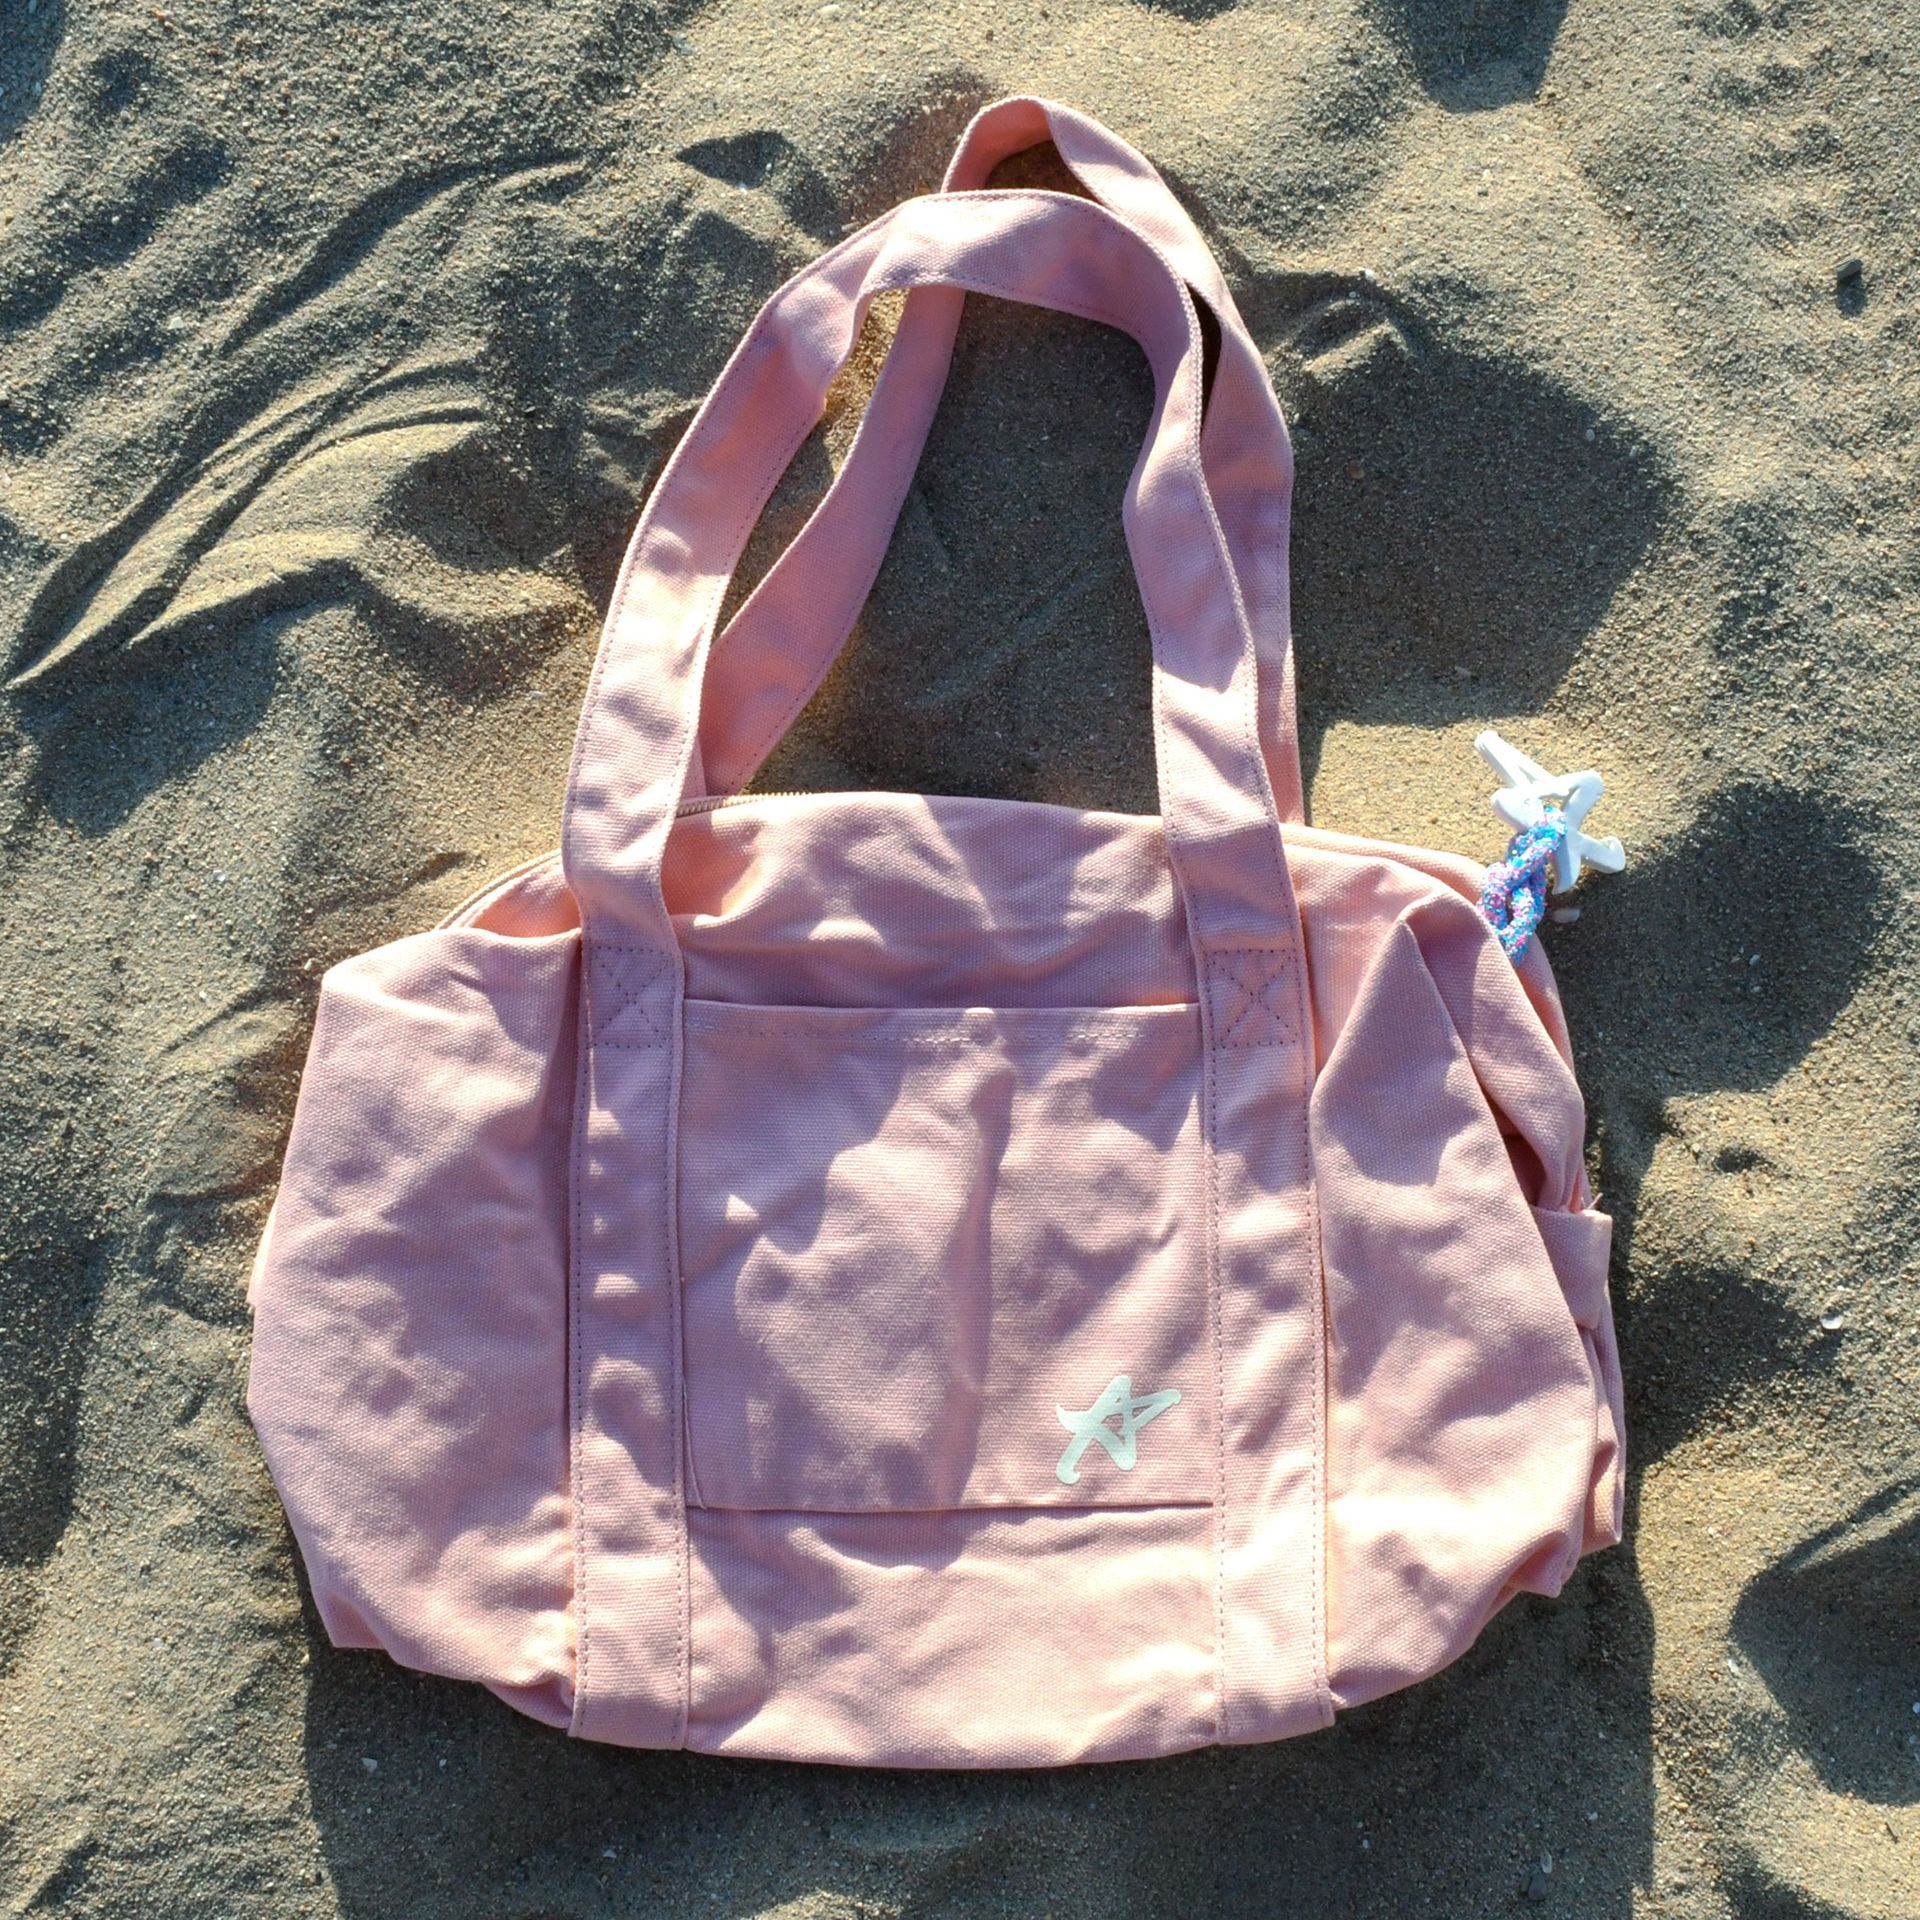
(1522, 802)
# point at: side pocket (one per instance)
(1515, 1039)
(1461, 1394)
(1578, 1244)
(408, 1380)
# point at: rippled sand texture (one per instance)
(336, 349)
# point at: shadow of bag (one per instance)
(931, 1281)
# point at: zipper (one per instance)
(713, 802)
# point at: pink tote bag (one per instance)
(886, 1278)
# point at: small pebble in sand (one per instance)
(1848, 271)
(370, 1763)
(1833, 1322)
(1537, 1882)
(1564, 916)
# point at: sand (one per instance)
(337, 346)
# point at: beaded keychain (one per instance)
(1546, 812)
(1514, 898)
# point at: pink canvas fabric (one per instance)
(930, 1281)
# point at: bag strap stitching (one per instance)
(628, 981)
(1251, 998)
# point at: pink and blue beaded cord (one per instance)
(1514, 897)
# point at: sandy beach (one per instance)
(338, 348)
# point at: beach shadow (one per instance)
(55, 1256)
(1003, 650)
(28, 44)
(1471, 55)
(1460, 527)
(462, 1793)
(765, 160)
(1705, 1341)
(1827, 1741)
(1712, 965)
(1440, 1799)
(108, 741)
(1719, 959)
(1838, 1619)
(1757, 1895)
(1195, 10)
(51, 1273)
(1460, 523)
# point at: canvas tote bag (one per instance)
(937, 1281)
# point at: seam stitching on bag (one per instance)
(628, 981)
(1323, 1357)
(1245, 1006)
(576, 1405)
(919, 1042)
(681, 1436)
(1222, 1716)
(1187, 1504)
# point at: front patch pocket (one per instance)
(912, 1239)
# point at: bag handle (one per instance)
(634, 755)
(811, 597)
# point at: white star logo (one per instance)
(1117, 1403)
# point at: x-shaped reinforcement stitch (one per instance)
(619, 982)
(1252, 1006)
